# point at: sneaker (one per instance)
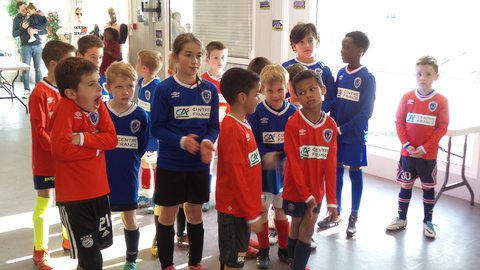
(150, 210)
(66, 245)
(154, 249)
(41, 257)
(195, 267)
(31, 39)
(251, 252)
(26, 94)
(326, 223)
(144, 202)
(263, 259)
(313, 244)
(283, 255)
(352, 229)
(206, 207)
(182, 239)
(428, 230)
(272, 237)
(130, 266)
(397, 224)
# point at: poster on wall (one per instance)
(264, 4)
(277, 25)
(299, 4)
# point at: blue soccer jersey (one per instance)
(327, 78)
(178, 110)
(268, 126)
(146, 92)
(123, 162)
(106, 96)
(354, 105)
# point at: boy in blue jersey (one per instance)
(149, 63)
(132, 125)
(304, 40)
(268, 125)
(354, 106)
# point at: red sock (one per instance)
(146, 178)
(283, 229)
(262, 237)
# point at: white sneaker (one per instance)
(272, 237)
(428, 230)
(313, 244)
(31, 39)
(397, 224)
(26, 94)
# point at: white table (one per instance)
(453, 132)
(11, 64)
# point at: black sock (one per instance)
(291, 247)
(131, 241)
(195, 238)
(155, 221)
(302, 254)
(181, 220)
(165, 236)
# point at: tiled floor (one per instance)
(457, 245)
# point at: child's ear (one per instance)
(241, 98)
(323, 89)
(71, 94)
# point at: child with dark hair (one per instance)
(111, 49)
(36, 22)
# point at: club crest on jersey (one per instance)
(264, 120)
(175, 94)
(357, 82)
(327, 135)
(135, 126)
(94, 118)
(319, 71)
(207, 96)
(148, 95)
(432, 106)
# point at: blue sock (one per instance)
(302, 254)
(403, 201)
(428, 204)
(292, 243)
(340, 171)
(357, 188)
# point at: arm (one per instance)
(105, 137)
(38, 120)
(143, 136)
(17, 28)
(400, 123)
(213, 125)
(331, 95)
(331, 171)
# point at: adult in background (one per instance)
(28, 50)
(120, 27)
(77, 29)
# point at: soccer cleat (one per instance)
(352, 229)
(130, 266)
(272, 237)
(326, 223)
(154, 249)
(283, 255)
(182, 239)
(397, 224)
(428, 230)
(41, 257)
(313, 244)
(66, 245)
(263, 259)
(251, 252)
(195, 267)
(143, 201)
(206, 207)
(26, 94)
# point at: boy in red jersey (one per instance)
(81, 129)
(239, 180)
(41, 103)
(422, 120)
(310, 170)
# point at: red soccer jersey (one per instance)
(80, 171)
(41, 103)
(222, 103)
(311, 166)
(239, 171)
(422, 121)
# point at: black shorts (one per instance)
(89, 226)
(233, 237)
(43, 182)
(176, 187)
(409, 169)
(297, 209)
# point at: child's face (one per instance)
(89, 92)
(189, 59)
(293, 96)
(31, 11)
(122, 90)
(107, 36)
(252, 100)
(275, 94)
(309, 93)
(306, 47)
(350, 52)
(93, 55)
(218, 60)
(425, 75)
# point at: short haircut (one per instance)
(19, 4)
(237, 80)
(153, 60)
(258, 63)
(306, 74)
(55, 50)
(115, 34)
(360, 40)
(87, 42)
(69, 72)
(274, 73)
(428, 60)
(294, 69)
(120, 70)
(214, 45)
(301, 30)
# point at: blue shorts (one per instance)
(409, 169)
(43, 182)
(352, 154)
(272, 182)
(297, 209)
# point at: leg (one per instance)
(26, 52)
(40, 220)
(340, 171)
(195, 232)
(165, 235)
(132, 235)
(302, 248)
(181, 225)
(37, 62)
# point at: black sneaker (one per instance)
(263, 260)
(283, 255)
(352, 229)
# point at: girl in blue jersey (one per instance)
(185, 120)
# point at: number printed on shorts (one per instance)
(104, 221)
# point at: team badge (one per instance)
(206, 96)
(319, 71)
(432, 106)
(94, 118)
(87, 241)
(327, 135)
(357, 82)
(148, 95)
(135, 126)
(291, 207)
(341, 77)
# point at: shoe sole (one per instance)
(328, 225)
